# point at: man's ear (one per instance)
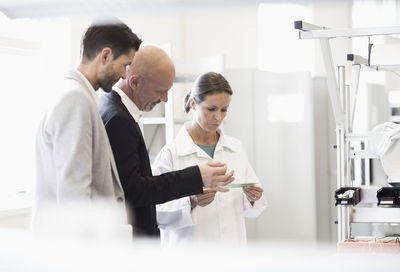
(106, 55)
(133, 81)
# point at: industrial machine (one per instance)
(360, 204)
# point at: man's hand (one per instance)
(253, 193)
(203, 199)
(213, 176)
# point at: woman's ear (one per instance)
(193, 103)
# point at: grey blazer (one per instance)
(74, 158)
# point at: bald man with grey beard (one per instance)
(148, 80)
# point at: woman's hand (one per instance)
(203, 199)
(253, 193)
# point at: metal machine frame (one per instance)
(343, 100)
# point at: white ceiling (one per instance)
(53, 8)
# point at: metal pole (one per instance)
(348, 129)
(343, 155)
(355, 77)
(339, 149)
(331, 80)
(342, 92)
(337, 106)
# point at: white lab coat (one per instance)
(75, 164)
(223, 219)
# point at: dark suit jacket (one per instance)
(142, 189)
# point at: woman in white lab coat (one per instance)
(216, 217)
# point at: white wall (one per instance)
(325, 162)
(230, 32)
(280, 144)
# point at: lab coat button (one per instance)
(120, 199)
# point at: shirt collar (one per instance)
(186, 145)
(129, 104)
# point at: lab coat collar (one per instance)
(78, 76)
(186, 145)
(129, 104)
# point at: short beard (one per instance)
(106, 84)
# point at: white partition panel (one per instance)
(284, 153)
(239, 122)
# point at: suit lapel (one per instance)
(76, 75)
(115, 96)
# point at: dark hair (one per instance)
(112, 33)
(207, 84)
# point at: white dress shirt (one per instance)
(131, 106)
(223, 219)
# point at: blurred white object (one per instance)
(347, 194)
(20, 252)
(383, 141)
(78, 221)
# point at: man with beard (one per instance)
(75, 165)
(148, 80)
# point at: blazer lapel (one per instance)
(115, 96)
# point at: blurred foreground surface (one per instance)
(22, 251)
